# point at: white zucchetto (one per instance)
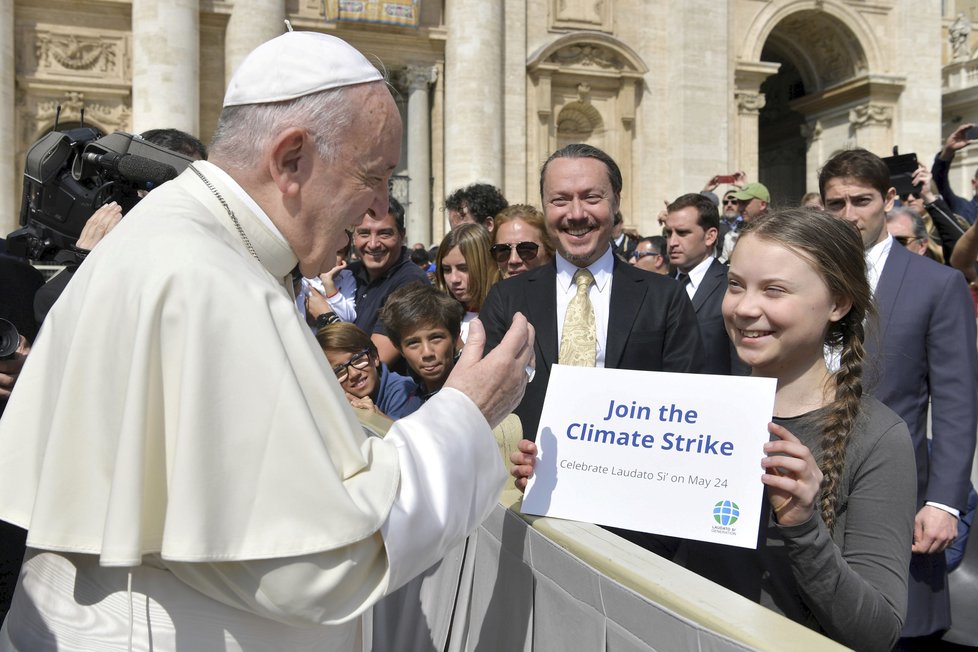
(296, 64)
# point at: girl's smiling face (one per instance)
(777, 308)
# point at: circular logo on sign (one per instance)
(726, 512)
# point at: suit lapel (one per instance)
(541, 308)
(627, 295)
(712, 280)
(888, 288)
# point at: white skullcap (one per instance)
(296, 64)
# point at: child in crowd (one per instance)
(464, 269)
(836, 531)
(329, 297)
(424, 325)
(365, 379)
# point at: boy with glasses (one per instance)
(365, 379)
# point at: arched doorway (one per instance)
(810, 72)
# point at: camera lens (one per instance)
(9, 339)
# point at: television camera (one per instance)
(69, 174)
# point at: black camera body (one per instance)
(69, 174)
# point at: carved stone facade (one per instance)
(675, 91)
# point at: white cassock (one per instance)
(187, 466)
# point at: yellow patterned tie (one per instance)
(578, 343)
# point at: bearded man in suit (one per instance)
(638, 320)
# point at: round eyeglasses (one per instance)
(359, 360)
(527, 251)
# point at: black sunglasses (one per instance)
(642, 254)
(527, 251)
(359, 360)
(731, 201)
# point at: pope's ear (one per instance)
(286, 157)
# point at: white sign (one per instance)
(673, 454)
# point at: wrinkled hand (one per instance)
(957, 140)
(496, 382)
(933, 530)
(523, 461)
(98, 225)
(923, 177)
(10, 368)
(792, 477)
(712, 184)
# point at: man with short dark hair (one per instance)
(383, 265)
(650, 255)
(690, 231)
(478, 203)
(923, 353)
(590, 308)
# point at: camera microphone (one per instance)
(142, 171)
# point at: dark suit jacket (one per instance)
(651, 326)
(924, 349)
(720, 356)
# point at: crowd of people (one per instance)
(247, 303)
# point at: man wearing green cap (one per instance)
(753, 199)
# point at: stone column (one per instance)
(748, 101)
(473, 93)
(252, 22)
(13, 179)
(749, 105)
(419, 213)
(871, 124)
(814, 157)
(165, 65)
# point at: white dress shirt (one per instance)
(599, 294)
(696, 275)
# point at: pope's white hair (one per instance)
(244, 132)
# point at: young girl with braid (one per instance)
(835, 537)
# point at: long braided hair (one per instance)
(834, 249)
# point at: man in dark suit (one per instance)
(924, 351)
(622, 242)
(640, 320)
(690, 229)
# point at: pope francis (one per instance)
(188, 469)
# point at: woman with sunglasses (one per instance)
(520, 240)
(464, 269)
(365, 379)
